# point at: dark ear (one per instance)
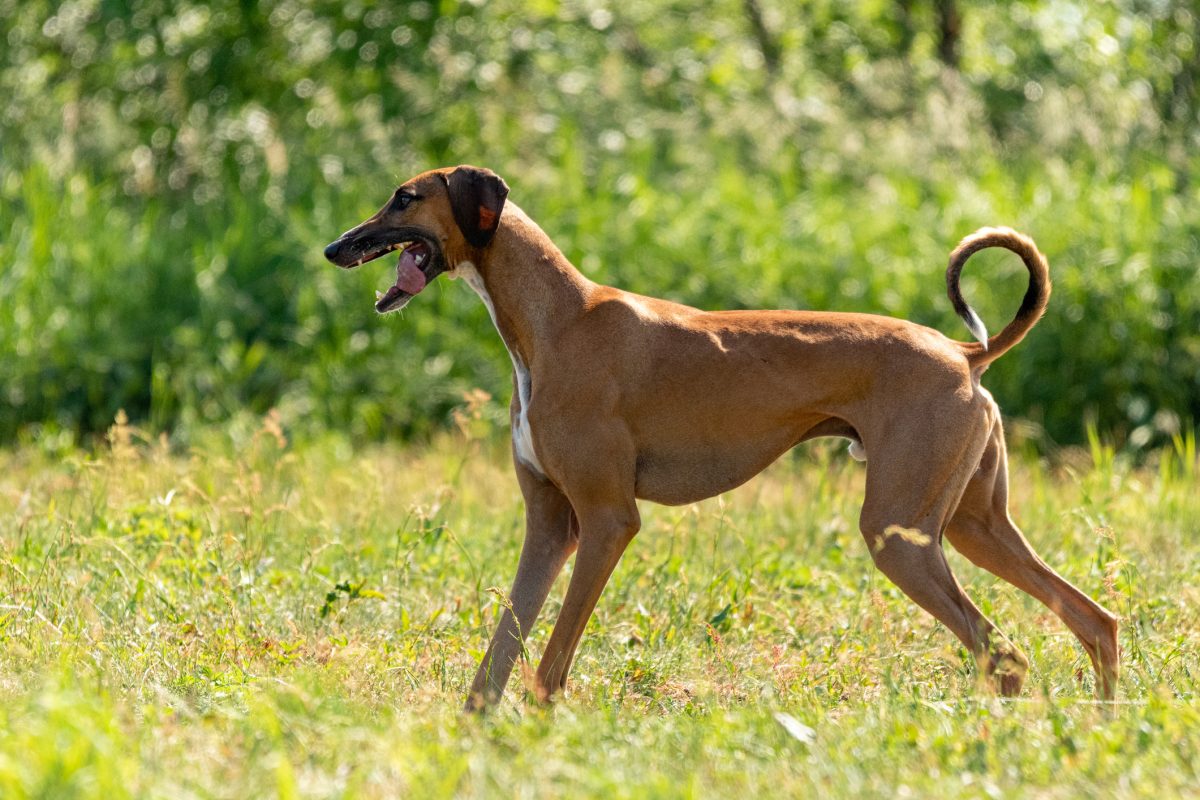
(476, 197)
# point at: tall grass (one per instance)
(249, 617)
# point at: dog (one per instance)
(619, 397)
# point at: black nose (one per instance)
(332, 249)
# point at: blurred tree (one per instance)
(949, 31)
(171, 171)
(766, 42)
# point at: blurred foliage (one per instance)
(171, 171)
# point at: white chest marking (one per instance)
(522, 432)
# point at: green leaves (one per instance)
(172, 170)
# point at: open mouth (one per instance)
(411, 277)
(420, 261)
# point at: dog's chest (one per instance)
(522, 432)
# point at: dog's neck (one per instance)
(532, 291)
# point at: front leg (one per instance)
(551, 535)
(604, 534)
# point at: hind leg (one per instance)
(912, 488)
(982, 530)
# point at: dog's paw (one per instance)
(1007, 668)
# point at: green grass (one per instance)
(252, 618)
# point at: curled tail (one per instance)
(1032, 307)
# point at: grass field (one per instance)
(251, 618)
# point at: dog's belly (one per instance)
(678, 475)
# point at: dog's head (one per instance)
(437, 220)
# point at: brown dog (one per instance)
(618, 397)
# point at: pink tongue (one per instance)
(408, 275)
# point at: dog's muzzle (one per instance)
(420, 262)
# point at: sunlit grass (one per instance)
(250, 617)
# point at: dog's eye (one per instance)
(404, 199)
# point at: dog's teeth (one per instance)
(378, 295)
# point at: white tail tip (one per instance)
(976, 326)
